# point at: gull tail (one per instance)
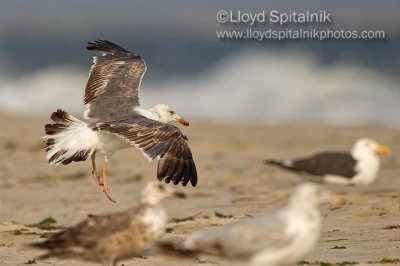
(285, 164)
(41, 245)
(68, 139)
(52, 251)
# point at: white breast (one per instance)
(304, 233)
(156, 218)
(367, 168)
(108, 144)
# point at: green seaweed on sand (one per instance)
(223, 216)
(345, 263)
(169, 230)
(392, 227)
(323, 263)
(189, 218)
(32, 261)
(10, 145)
(24, 231)
(385, 261)
(339, 247)
(45, 224)
(134, 178)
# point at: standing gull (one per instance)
(118, 121)
(280, 238)
(358, 167)
(106, 239)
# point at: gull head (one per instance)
(154, 192)
(166, 114)
(312, 195)
(367, 146)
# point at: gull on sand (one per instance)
(280, 238)
(108, 238)
(360, 166)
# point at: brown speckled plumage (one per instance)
(108, 238)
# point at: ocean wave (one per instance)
(254, 86)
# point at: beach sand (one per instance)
(233, 184)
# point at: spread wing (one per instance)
(341, 164)
(114, 80)
(157, 140)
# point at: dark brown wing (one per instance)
(157, 140)
(90, 231)
(340, 164)
(114, 79)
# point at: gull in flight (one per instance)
(116, 121)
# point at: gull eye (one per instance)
(171, 112)
(161, 187)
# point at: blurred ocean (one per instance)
(44, 64)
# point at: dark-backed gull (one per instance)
(118, 121)
(280, 238)
(360, 166)
(112, 237)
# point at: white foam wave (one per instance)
(43, 91)
(253, 86)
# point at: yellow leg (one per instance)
(94, 171)
(105, 187)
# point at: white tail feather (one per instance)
(69, 139)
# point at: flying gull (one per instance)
(358, 167)
(279, 238)
(108, 238)
(117, 121)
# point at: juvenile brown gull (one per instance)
(280, 238)
(108, 238)
(117, 121)
(358, 167)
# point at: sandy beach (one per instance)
(233, 184)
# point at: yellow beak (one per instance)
(183, 122)
(385, 150)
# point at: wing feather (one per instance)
(341, 164)
(113, 85)
(157, 141)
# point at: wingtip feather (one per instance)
(105, 46)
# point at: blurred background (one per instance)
(44, 63)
